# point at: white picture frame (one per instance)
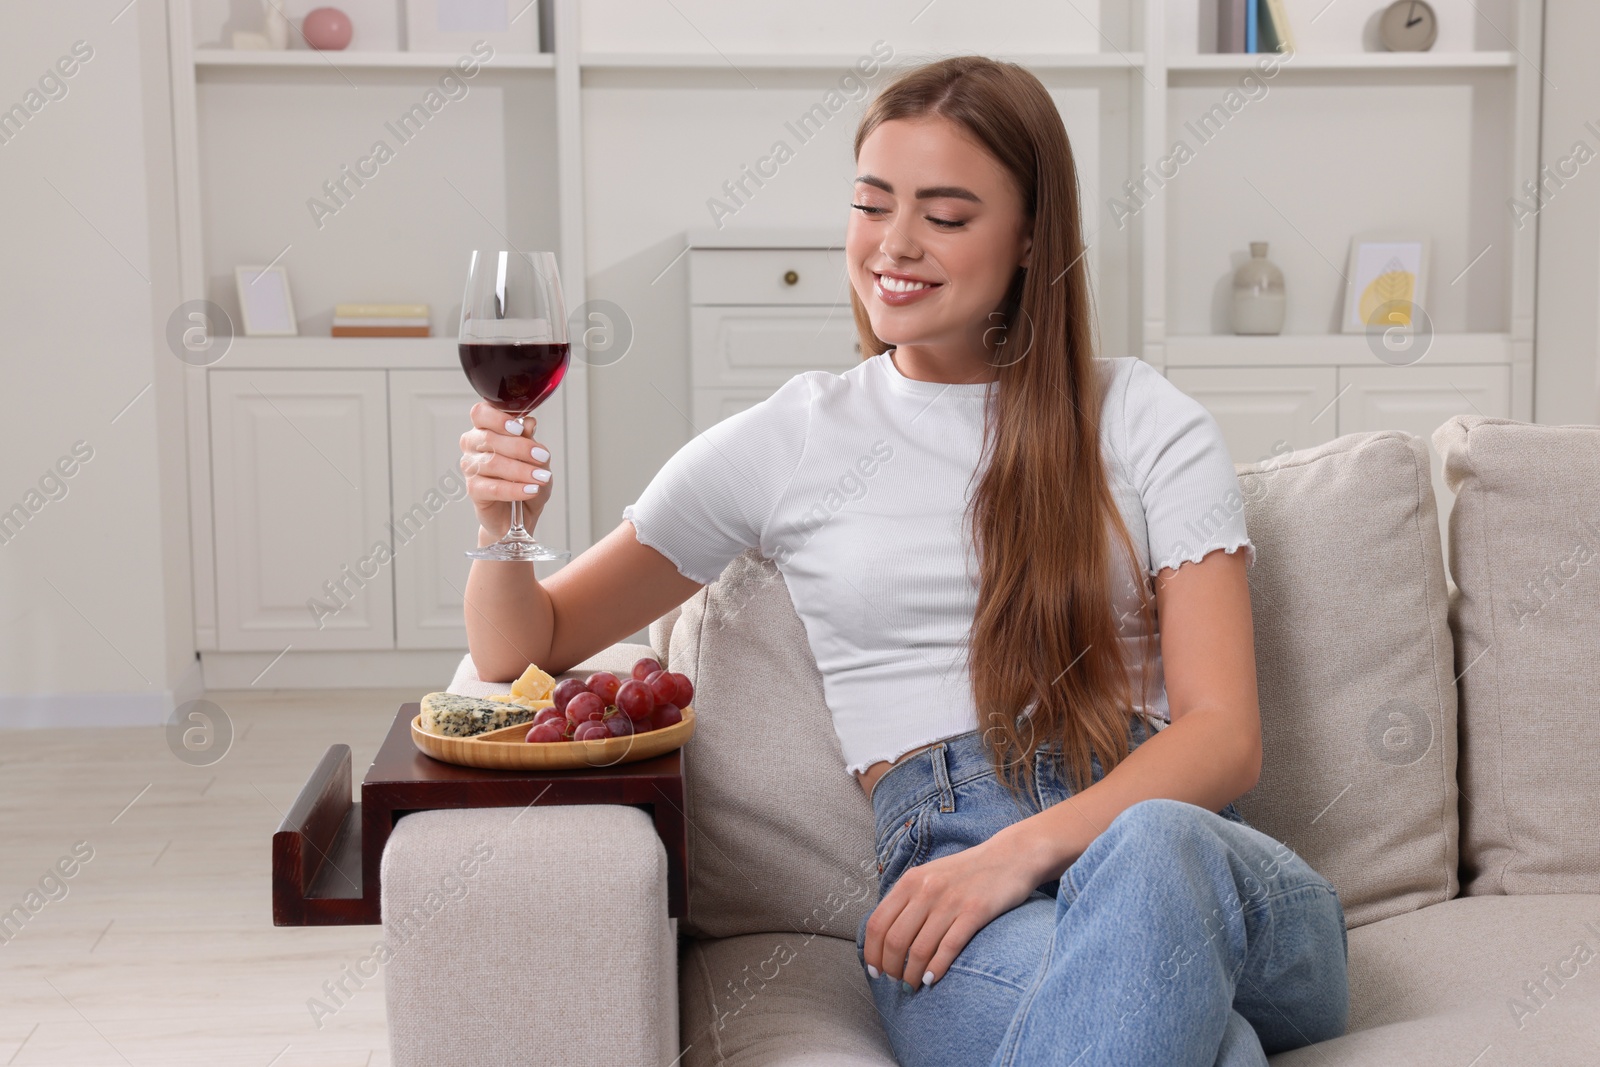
(266, 307)
(1370, 282)
(457, 25)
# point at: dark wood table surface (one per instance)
(327, 852)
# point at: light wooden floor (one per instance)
(163, 951)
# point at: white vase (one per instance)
(276, 24)
(1258, 298)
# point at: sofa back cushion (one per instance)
(1353, 661)
(1525, 555)
(1354, 670)
(780, 834)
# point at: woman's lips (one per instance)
(899, 299)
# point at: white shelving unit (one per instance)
(1343, 139)
(306, 452)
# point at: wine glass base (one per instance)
(517, 552)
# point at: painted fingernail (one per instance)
(514, 427)
(530, 489)
(540, 454)
(927, 977)
(543, 476)
(873, 971)
(906, 986)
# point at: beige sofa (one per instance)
(1434, 752)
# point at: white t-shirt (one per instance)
(855, 485)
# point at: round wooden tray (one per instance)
(507, 749)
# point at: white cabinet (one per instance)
(434, 523)
(1305, 406)
(1262, 411)
(340, 510)
(1419, 399)
(760, 315)
(300, 484)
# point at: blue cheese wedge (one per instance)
(449, 715)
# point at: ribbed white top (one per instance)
(855, 485)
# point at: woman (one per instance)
(960, 520)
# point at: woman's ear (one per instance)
(1027, 251)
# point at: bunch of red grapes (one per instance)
(602, 705)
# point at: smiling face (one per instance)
(936, 233)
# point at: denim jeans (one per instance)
(1179, 937)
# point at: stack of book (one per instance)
(381, 320)
(1252, 26)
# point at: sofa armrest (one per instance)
(618, 659)
(529, 935)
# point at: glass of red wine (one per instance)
(514, 348)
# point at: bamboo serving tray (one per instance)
(508, 749)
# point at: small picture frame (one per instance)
(265, 306)
(1386, 281)
(458, 25)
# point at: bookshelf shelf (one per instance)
(833, 61)
(1347, 61)
(226, 57)
(341, 353)
(1232, 350)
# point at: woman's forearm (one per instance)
(1203, 758)
(510, 621)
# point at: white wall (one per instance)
(1566, 384)
(93, 588)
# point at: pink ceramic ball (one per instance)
(327, 29)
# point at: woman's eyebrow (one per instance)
(929, 193)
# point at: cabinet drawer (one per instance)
(768, 276)
(768, 346)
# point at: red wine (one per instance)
(515, 377)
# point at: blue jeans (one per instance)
(1179, 937)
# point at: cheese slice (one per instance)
(450, 715)
(534, 684)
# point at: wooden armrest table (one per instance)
(327, 852)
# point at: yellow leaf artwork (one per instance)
(1395, 286)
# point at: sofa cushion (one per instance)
(1517, 978)
(1525, 554)
(1354, 670)
(766, 999)
(779, 831)
(1432, 988)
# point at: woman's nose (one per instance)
(895, 244)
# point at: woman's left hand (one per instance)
(935, 908)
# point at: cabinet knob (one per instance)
(791, 277)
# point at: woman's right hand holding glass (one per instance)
(503, 462)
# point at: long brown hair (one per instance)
(1043, 516)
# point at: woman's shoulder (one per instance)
(1147, 417)
(783, 412)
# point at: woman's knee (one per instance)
(1160, 818)
(1162, 833)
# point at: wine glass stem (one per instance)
(516, 533)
